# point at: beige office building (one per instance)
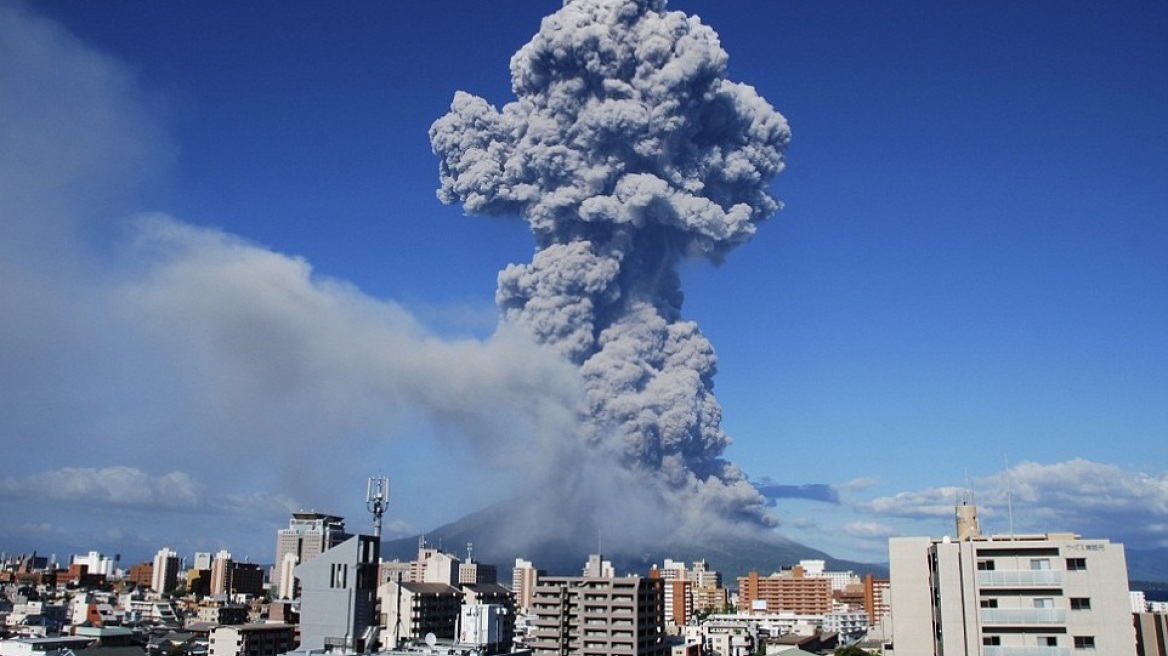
(252, 640)
(308, 535)
(1017, 595)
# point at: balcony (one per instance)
(1029, 650)
(1023, 616)
(1025, 578)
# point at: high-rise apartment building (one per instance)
(876, 596)
(524, 577)
(1151, 633)
(677, 591)
(704, 577)
(164, 577)
(219, 572)
(141, 575)
(599, 614)
(475, 573)
(97, 564)
(229, 577)
(1049, 594)
(708, 593)
(202, 560)
(308, 534)
(410, 611)
(434, 566)
(690, 590)
(791, 590)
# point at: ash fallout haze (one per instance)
(228, 290)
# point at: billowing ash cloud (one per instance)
(626, 150)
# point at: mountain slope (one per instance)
(495, 542)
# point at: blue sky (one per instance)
(970, 272)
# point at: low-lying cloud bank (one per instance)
(1092, 499)
(154, 367)
(1097, 500)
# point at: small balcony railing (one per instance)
(1029, 650)
(1025, 616)
(1020, 578)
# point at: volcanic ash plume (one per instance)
(626, 150)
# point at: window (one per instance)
(985, 565)
(1076, 564)
(1084, 642)
(1044, 602)
(1047, 641)
(991, 641)
(1080, 603)
(1039, 563)
(989, 603)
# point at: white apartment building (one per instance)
(1018, 595)
(849, 624)
(165, 575)
(96, 563)
(137, 610)
(817, 568)
(202, 560)
(52, 646)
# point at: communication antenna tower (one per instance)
(377, 500)
(1009, 494)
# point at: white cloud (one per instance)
(868, 529)
(112, 486)
(1090, 498)
(931, 502)
(801, 523)
(858, 484)
(133, 348)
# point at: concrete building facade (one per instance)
(141, 575)
(338, 607)
(473, 573)
(411, 610)
(1151, 634)
(97, 564)
(598, 614)
(791, 590)
(164, 576)
(876, 596)
(309, 534)
(524, 577)
(251, 640)
(219, 572)
(1032, 595)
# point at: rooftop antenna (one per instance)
(1009, 495)
(377, 500)
(967, 524)
(469, 549)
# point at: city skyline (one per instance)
(224, 249)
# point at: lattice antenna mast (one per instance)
(377, 500)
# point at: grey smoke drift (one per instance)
(626, 150)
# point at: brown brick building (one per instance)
(789, 590)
